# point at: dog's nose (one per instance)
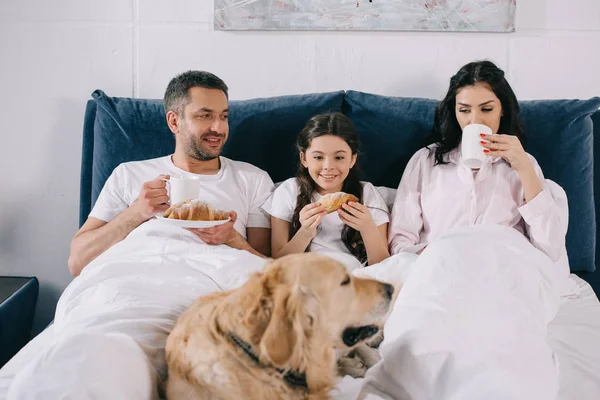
(387, 290)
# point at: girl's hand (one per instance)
(310, 218)
(509, 148)
(357, 216)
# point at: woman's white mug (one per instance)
(471, 149)
(183, 187)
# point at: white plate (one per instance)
(191, 224)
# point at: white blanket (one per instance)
(140, 286)
(470, 323)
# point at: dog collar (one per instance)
(296, 379)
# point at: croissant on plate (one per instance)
(195, 210)
(334, 201)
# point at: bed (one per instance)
(391, 129)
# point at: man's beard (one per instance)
(194, 150)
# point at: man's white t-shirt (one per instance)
(238, 186)
(282, 203)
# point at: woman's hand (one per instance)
(357, 216)
(509, 148)
(310, 217)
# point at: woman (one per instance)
(438, 192)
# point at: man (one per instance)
(112, 322)
(196, 106)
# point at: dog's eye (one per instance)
(346, 281)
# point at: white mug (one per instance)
(470, 146)
(183, 187)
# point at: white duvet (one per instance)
(141, 285)
(470, 323)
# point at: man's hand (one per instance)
(221, 234)
(153, 198)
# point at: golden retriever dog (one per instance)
(276, 336)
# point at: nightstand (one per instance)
(18, 297)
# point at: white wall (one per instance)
(54, 55)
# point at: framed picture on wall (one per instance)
(384, 15)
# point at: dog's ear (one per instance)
(294, 312)
(281, 337)
(260, 307)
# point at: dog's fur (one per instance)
(294, 316)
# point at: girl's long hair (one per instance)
(335, 124)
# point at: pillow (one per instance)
(391, 130)
(559, 133)
(596, 122)
(262, 132)
(388, 194)
(125, 129)
(560, 137)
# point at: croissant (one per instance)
(194, 210)
(334, 201)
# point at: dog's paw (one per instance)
(376, 340)
(351, 365)
(368, 355)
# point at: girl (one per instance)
(328, 147)
(438, 192)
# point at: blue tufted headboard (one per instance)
(262, 132)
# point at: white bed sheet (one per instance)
(574, 335)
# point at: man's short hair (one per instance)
(177, 93)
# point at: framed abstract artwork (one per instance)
(384, 15)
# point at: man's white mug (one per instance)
(471, 149)
(183, 187)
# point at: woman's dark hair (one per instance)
(336, 124)
(446, 130)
